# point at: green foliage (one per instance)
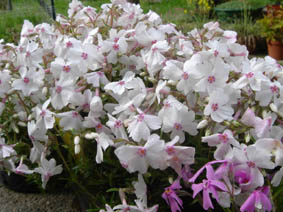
(271, 26)
(240, 4)
(11, 21)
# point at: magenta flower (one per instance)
(210, 185)
(171, 198)
(258, 199)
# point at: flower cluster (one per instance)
(124, 80)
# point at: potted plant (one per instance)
(271, 27)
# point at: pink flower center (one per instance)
(206, 184)
(84, 55)
(141, 151)
(26, 80)
(274, 89)
(69, 44)
(140, 117)
(178, 126)
(121, 82)
(118, 124)
(153, 42)
(100, 73)
(132, 15)
(214, 107)
(98, 127)
(116, 40)
(211, 79)
(223, 137)
(185, 76)
(28, 54)
(58, 89)
(216, 53)
(249, 75)
(167, 105)
(251, 164)
(47, 71)
(66, 68)
(170, 150)
(132, 67)
(86, 106)
(168, 191)
(154, 49)
(43, 113)
(75, 114)
(116, 47)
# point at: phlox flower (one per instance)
(44, 117)
(171, 198)
(103, 142)
(4, 82)
(141, 124)
(179, 155)
(62, 93)
(258, 199)
(178, 122)
(48, 169)
(223, 142)
(218, 106)
(209, 185)
(5, 149)
(30, 81)
(121, 86)
(138, 158)
(70, 120)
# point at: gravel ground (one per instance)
(11, 201)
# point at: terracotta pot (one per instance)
(275, 49)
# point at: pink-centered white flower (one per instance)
(48, 169)
(138, 158)
(141, 125)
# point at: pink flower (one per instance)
(171, 198)
(259, 199)
(211, 185)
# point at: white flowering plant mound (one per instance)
(192, 107)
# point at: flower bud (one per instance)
(264, 114)
(91, 135)
(273, 107)
(207, 132)
(202, 124)
(247, 138)
(153, 80)
(22, 124)
(15, 128)
(76, 140)
(77, 149)
(171, 82)
(44, 91)
(142, 74)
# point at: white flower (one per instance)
(30, 81)
(218, 107)
(48, 169)
(70, 120)
(62, 93)
(141, 124)
(120, 86)
(138, 158)
(179, 121)
(44, 117)
(6, 150)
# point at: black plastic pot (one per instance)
(18, 183)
